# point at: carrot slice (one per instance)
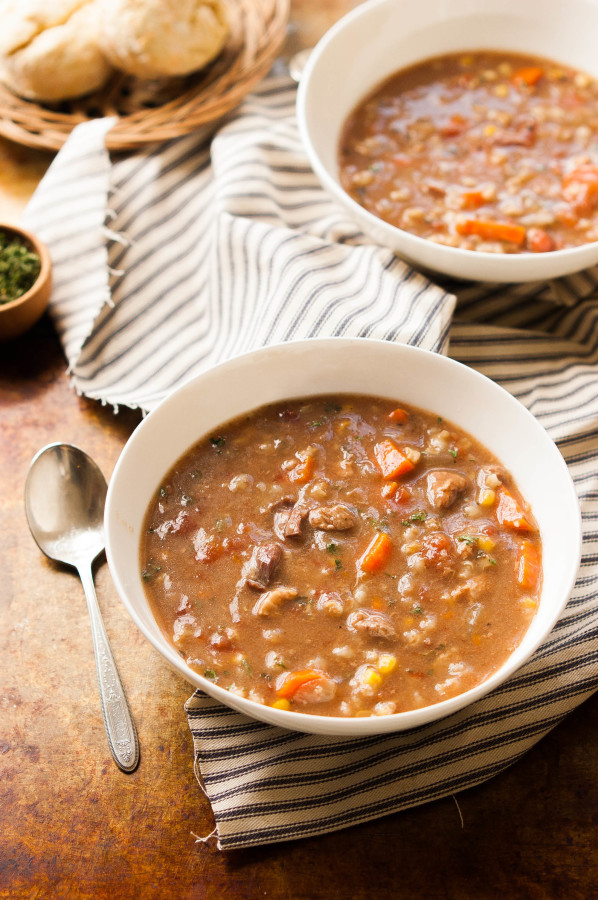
(290, 682)
(399, 416)
(376, 554)
(528, 571)
(392, 462)
(528, 75)
(493, 231)
(510, 513)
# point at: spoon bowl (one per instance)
(65, 494)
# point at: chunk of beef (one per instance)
(332, 518)
(271, 601)
(260, 568)
(443, 487)
(371, 622)
(288, 521)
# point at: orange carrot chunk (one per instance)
(528, 75)
(376, 554)
(472, 199)
(493, 231)
(392, 462)
(303, 471)
(290, 683)
(539, 241)
(510, 513)
(528, 571)
(399, 416)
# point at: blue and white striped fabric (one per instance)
(170, 260)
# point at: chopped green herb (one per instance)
(186, 499)
(151, 571)
(211, 674)
(217, 443)
(196, 473)
(332, 547)
(378, 524)
(280, 663)
(19, 268)
(246, 666)
(467, 538)
(419, 516)
(338, 564)
(266, 675)
(490, 559)
(453, 453)
(417, 610)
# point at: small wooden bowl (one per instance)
(19, 315)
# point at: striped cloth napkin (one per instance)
(169, 260)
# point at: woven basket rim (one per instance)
(258, 31)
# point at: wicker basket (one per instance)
(157, 111)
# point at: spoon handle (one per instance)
(120, 728)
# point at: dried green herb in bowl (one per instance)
(19, 268)
(25, 280)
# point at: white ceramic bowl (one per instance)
(344, 365)
(380, 37)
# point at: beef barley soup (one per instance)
(341, 555)
(486, 151)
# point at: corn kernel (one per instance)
(386, 663)
(371, 677)
(487, 497)
(489, 130)
(528, 603)
(283, 703)
(408, 621)
(501, 90)
(486, 543)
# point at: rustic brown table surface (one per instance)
(72, 825)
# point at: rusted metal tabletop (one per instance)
(73, 826)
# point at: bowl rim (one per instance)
(559, 263)
(339, 725)
(38, 246)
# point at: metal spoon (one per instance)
(65, 493)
